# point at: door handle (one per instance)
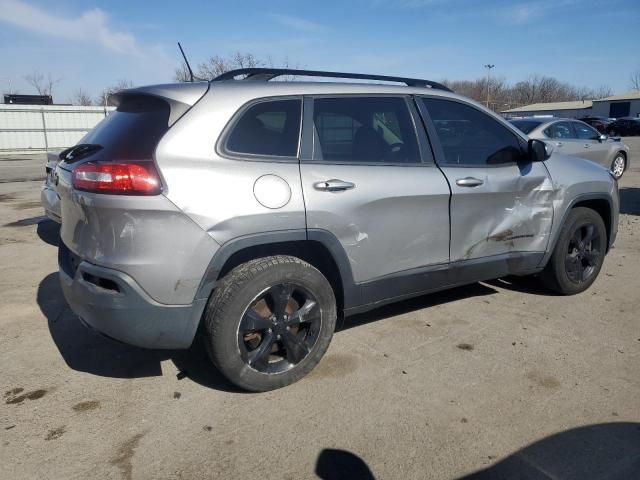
(469, 182)
(586, 145)
(559, 144)
(333, 185)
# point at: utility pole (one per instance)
(488, 67)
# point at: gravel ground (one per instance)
(499, 378)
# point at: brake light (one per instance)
(117, 178)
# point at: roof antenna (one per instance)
(186, 61)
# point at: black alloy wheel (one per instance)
(583, 253)
(279, 328)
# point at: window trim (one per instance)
(435, 139)
(426, 158)
(221, 143)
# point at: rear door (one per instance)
(592, 147)
(370, 181)
(501, 203)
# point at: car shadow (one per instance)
(48, 231)
(599, 451)
(86, 350)
(630, 200)
(529, 284)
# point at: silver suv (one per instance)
(256, 212)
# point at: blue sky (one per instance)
(89, 44)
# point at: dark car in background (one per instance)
(624, 127)
(599, 123)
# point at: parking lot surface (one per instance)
(499, 379)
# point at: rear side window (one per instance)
(585, 132)
(364, 130)
(470, 137)
(270, 128)
(133, 131)
(525, 126)
(560, 130)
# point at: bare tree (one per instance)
(635, 80)
(103, 98)
(81, 97)
(43, 85)
(217, 65)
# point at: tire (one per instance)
(269, 322)
(619, 165)
(582, 244)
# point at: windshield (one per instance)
(526, 126)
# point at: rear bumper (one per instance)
(114, 304)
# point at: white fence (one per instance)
(39, 128)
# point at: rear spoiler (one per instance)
(180, 96)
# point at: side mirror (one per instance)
(603, 138)
(539, 151)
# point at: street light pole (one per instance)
(488, 67)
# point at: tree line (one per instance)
(495, 92)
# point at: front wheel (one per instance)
(579, 253)
(269, 322)
(618, 165)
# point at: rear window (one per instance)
(269, 128)
(132, 131)
(525, 126)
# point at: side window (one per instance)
(560, 130)
(471, 137)
(270, 128)
(364, 130)
(585, 132)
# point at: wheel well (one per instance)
(311, 251)
(602, 208)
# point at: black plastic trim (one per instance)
(266, 74)
(421, 281)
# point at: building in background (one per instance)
(618, 106)
(17, 99)
(577, 109)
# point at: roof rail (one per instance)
(267, 74)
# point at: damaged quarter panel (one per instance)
(201, 181)
(144, 237)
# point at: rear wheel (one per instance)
(269, 322)
(618, 165)
(578, 254)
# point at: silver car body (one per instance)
(402, 231)
(599, 148)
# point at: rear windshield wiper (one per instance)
(78, 152)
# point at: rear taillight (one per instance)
(117, 178)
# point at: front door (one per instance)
(501, 203)
(564, 139)
(369, 180)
